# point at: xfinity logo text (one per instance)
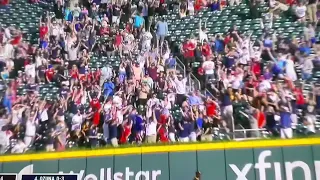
(262, 165)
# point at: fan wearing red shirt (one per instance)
(299, 97)
(163, 133)
(298, 94)
(188, 51)
(251, 83)
(16, 39)
(4, 2)
(206, 50)
(96, 108)
(197, 5)
(118, 40)
(96, 117)
(43, 30)
(126, 132)
(74, 72)
(227, 39)
(50, 73)
(96, 75)
(211, 107)
(256, 68)
(259, 115)
(129, 27)
(291, 2)
(94, 102)
(104, 31)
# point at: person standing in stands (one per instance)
(188, 49)
(58, 11)
(285, 118)
(138, 22)
(162, 32)
(180, 84)
(312, 10)
(4, 2)
(227, 109)
(151, 13)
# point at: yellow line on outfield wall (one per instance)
(160, 149)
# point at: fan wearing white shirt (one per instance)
(202, 33)
(151, 129)
(310, 120)
(244, 55)
(55, 29)
(208, 67)
(300, 11)
(146, 41)
(264, 86)
(151, 103)
(8, 51)
(76, 122)
(30, 132)
(30, 70)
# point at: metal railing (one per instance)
(181, 66)
(194, 83)
(246, 134)
(208, 93)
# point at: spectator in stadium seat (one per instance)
(162, 32)
(285, 118)
(300, 12)
(307, 69)
(215, 5)
(227, 109)
(207, 128)
(180, 85)
(188, 48)
(151, 128)
(139, 22)
(4, 2)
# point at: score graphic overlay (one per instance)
(49, 177)
(8, 176)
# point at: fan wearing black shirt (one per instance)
(116, 13)
(126, 9)
(110, 49)
(207, 130)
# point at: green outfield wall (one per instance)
(298, 162)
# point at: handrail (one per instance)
(208, 93)
(181, 65)
(262, 133)
(197, 83)
(242, 129)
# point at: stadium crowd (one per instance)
(245, 83)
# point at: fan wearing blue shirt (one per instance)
(138, 21)
(171, 62)
(108, 88)
(194, 100)
(218, 45)
(137, 127)
(285, 122)
(200, 121)
(278, 66)
(304, 49)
